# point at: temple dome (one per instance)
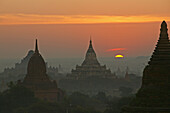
(36, 64)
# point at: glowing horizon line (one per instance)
(18, 19)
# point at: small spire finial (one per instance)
(90, 45)
(36, 47)
(90, 39)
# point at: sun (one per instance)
(119, 56)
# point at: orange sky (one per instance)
(86, 7)
(63, 27)
(82, 11)
(71, 40)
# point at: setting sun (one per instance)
(119, 56)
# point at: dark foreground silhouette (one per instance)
(18, 99)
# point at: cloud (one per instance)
(116, 49)
(13, 19)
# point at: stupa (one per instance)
(38, 81)
(90, 67)
(154, 94)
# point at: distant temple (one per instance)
(91, 67)
(119, 73)
(38, 81)
(20, 70)
(21, 67)
(154, 94)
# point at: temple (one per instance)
(154, 94)
(127, 77)
(38, 81)
(90, 67)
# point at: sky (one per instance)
(63, 27)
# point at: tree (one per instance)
(101, 96)
(115, 105)
(14, 97)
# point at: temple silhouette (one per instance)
(90, 67)
(38, 81)
(154, 94)
(20, 70)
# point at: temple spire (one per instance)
(36, 47)
(90, 49)
(90, 55)
(164, 30)
(161, 54)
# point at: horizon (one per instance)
(135, 64)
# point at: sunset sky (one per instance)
(63, 27)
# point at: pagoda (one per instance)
(154, 94)
(38, 81)
(90, 67)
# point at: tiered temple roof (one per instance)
(38, 81)
(91, 67)
(154, 94)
